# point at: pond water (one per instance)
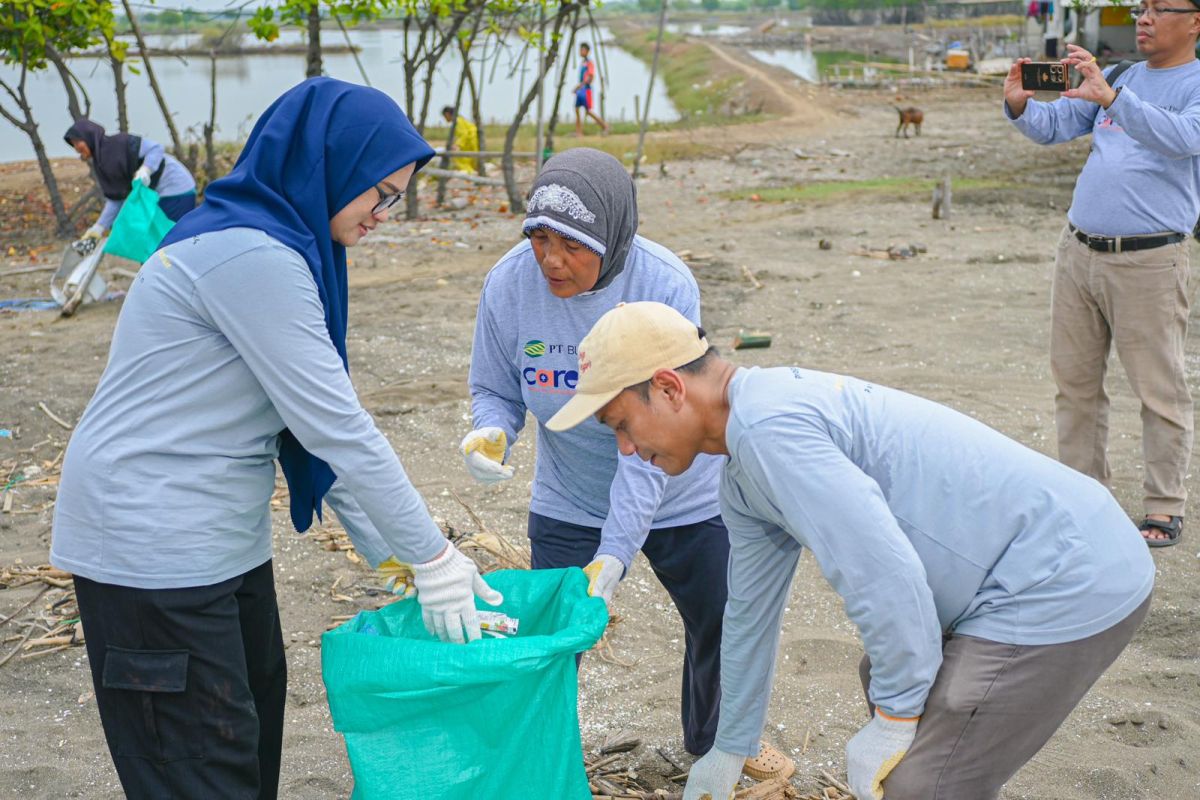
(799, 62)
(248, 84)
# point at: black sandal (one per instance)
(1173, 528)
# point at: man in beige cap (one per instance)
(991, 585)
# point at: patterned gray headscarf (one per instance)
(586, 195)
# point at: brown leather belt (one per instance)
(1123, 244)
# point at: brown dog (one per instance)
(909, 116)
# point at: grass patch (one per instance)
(621, 141)
(993, 21)
(872, 187)
(827, 58)
(698, 83)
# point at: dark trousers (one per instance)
(190, 684)
(175, 207)
(691, 562)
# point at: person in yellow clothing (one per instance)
(466, 139)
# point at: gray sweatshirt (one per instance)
(1143, 172)
(525, 358)
(924, 520)
(220, 345)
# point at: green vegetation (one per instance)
(697, 82)
(872, 187)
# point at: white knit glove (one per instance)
(142, 175)
(483, 450)
(94, 232)
(446, 589)
(875, 751)
(715, 774)
(604, 573)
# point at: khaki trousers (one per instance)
(1138, 301)
(993, 706)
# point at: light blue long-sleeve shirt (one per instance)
(174, 181)
(1143, 173)
(924, 520)
(524, 358)
(167, 480)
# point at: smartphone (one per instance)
(1048, 76)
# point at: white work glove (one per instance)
(604, 573)
(142, 175)
(94, 232)
(446, 589)
(715, 774)
(483, 450)
(875, 751)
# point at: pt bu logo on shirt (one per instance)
(549, 380)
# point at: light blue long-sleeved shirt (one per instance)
(175, 179)
(525, 357)
(924, 520)
(167, 480)
(1143, 173)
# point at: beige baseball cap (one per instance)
(625, 347)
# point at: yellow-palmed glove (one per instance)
(875, 751)
(399, 577)
(483, 451)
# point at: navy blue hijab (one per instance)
(316, 148)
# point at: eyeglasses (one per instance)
(1154, 12)
(386, 200)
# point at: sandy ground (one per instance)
(965, 324)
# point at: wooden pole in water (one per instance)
(541, 92)
(662, 21)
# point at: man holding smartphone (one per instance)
(1121, 269)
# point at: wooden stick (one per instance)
(606, 760)
(666, 757)
(55, 417)
(749, 275)
(13, 652)
(32, 600)
(23, 270)
(40, 653)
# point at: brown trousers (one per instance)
(1138, 301)
(992, 708)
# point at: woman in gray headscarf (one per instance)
(591, 507)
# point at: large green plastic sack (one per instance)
(139, 227)
(494, 719)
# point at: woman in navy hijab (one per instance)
(230, 353)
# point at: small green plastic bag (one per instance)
(140, 225)
(495, 719)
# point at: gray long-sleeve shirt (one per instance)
(175, 179)
(524, 357)
(1143, 173)
(924, 520)
(220, 345)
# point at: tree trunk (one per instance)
(662, 21)
(210, 157)
(476, 114)
(445, 163)
(29, 126)
(176, 142)
(118, 70)
(464, 46)
(562, 82)
(314, 68)
(515, 200)
(69, 84)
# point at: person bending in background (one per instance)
(121, 159)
